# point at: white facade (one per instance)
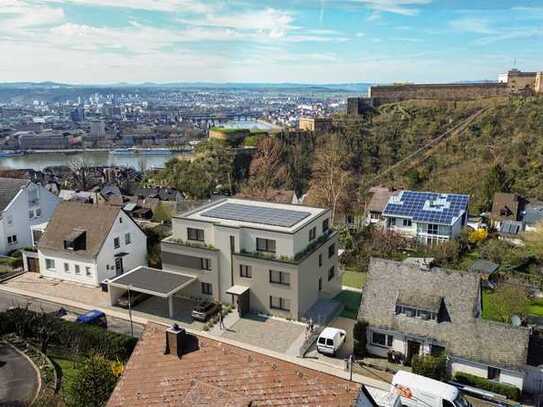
(32, 205)
(67, 265)
(286, 279)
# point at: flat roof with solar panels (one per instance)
(427, 207)
(258, 214)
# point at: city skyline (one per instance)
(303, 41)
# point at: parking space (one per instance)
(159, 307)
(344, 352)
(269, 333)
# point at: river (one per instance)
(38, 161)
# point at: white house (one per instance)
(23, 204)
(87, 244)
(264, 257)
(427, 216)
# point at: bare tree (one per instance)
(267, 170)
(81, 170)
(332, 184)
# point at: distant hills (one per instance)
(347, 87)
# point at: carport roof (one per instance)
(152, 281)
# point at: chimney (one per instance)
(174, 340)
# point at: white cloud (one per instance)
(195, 6)
(472, 25)
(403, 7)
(15, 14)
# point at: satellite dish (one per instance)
(516, 321)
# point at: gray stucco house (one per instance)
(427, 311)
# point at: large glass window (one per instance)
(312, 233)
(265, 245)
(205, 263)
(116, 243)
(433, 229)
(380, 339)
(195, 234)
(50, 264)
(279, 277)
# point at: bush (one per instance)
(511, 392)
(360, 338)
(434, 367)
(86, 339)
(93, 383)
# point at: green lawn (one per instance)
(353, 279)
(489, 312)
(351, 303)
(67, 367)
(536, 307)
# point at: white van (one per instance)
(330, 340)
(420, 391)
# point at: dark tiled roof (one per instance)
(465, 336)
(219, 374)
(96, 221)
(9, 187)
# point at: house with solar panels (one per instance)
(263, 257)
(429, 217)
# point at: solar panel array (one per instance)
(256, 214)
(412, 205)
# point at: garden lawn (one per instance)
(68, 368)
(535, 308)
(355, 279)
(351, 303)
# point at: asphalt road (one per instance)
(13, 300)
(18, 379)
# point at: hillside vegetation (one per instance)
(501, 150)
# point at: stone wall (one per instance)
(391, 93)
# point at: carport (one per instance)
(147, 280)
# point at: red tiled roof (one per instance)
(219, 374)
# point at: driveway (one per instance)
(18, 379)
(268, 333)
(344, 352)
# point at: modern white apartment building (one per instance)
(263, 257)
(428, 216)
(23, 204)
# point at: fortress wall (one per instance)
(438, 91)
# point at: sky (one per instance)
(302, 41)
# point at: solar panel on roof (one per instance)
(256, 214)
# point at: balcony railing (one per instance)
(185, 243)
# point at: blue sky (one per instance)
(309, 41)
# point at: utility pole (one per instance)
(130, 311)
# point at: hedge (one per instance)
(81, 338)
(434, 367)
(507, 390)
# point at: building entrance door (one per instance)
(119, 266)
(413, 349)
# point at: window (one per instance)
(432, 229)
(50, 264)
(66, 267)
(279, 277)
(207, 289)
(380, 339)
(12, 239)
(116, 243)
(121, 219)
(350, 219)
(245, 271)
(195, 234)
(493, 373)
(30, 214)
(77, 269)
(325, 225)
(320, 259)
(375, 215)
(279, 303)
(37, 212)
(436, 350)
(392, 221)
(265, 245)
(320, 284)
(331, 250)
(407, 222)
(312, 233)
(88, 271)
(33, 196)
(127, 238)
(331, 273)
(205, 263)
(415, 313)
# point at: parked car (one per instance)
(330, 340)
(135, 299)
(205, 310)
(94, 317)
